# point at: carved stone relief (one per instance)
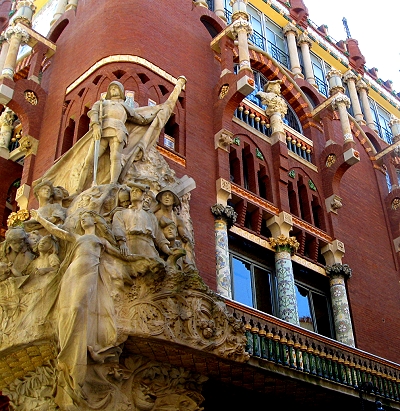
(103, 259)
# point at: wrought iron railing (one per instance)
(384, 133)
(228, 16)
(286, 345)
(322, 86)
(278, 54)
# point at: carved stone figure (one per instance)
(137, 231)
(53, 212)
(33, 240)
(166, 215)
(130, 133)
(48, 260)
(86, 313)
(15, 252)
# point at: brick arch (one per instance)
(290, 91)
(29, 115)
(210, 17)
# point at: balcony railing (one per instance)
(286, 345)
(384, 133)
(322, 86)
(299, 145)
(253, 118)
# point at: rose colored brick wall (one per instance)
(174, 39)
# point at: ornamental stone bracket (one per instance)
(22, 196)
(281, 224)
(351, 156)
(223, 140)
(224, 191)
(29, 145)
(396, 243)
(333, 252)
(333, 203)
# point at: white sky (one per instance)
(374, 24)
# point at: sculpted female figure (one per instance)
(85, 307)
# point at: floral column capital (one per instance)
(338, 269)
(226, 213)
(283, 243)
(340, 99)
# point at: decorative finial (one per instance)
(346, 27)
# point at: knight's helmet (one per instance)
(121, 90)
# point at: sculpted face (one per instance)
(16, 244)
(34, 238)
(58, 194)
(45, 192)
(167, 198)
(124, 199)
(87, 220)
(45, 244)
(170, 232)
(136, 193)
(114, 91)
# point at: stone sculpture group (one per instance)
(109, 256)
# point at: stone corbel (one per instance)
(224, 191)
(351, 156)
(333, 252)
(333, 203)
(280, 224)
(396, 243)
(223, 139)
(29, 145)
(22, 196)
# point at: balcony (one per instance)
(287, 349)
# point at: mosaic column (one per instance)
(287, 302)
(225, 217)
(363, 90)
(340, 305)
(340, 102)
(305, 44)
(290, 31)
(284, 246)
(350, 78)
(15, 36)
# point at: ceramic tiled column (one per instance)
(338, 273)
(291, 32)
(305, 44)
(225, 216)
(284, 247)
(350, 79)
(363, 90)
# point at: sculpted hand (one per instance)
(96, 131)
(34, 214)
(124, 249)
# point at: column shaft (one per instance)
(61, 5)
(341, 311)
(219, 9)
(11, 58)
(355, 102)
(293, 55)
(309, 72)
(3, 54)
(286, 288)
(367, 109)
(344, 122)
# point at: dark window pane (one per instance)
(242, 287)
(262, 280)
(321, 314)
